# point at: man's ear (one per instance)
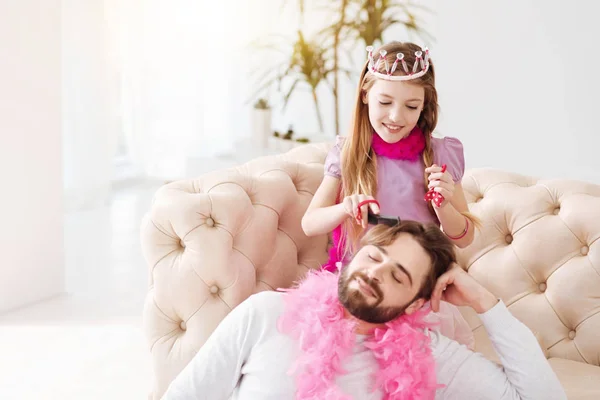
(414, 306)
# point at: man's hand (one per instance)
(461, 289)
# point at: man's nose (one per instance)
(376, 273)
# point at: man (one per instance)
(364, 336)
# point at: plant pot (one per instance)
(281, 145)
(261, 126)
(287, 145)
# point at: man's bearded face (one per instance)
(357, 303)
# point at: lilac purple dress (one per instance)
(400, 192)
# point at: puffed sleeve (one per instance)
(333, 159)
(449, 151)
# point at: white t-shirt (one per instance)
(247, 358)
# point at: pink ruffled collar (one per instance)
(315, 318)
(408, 148)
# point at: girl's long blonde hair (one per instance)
(358, 161)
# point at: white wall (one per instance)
(31, 238)
(519, 84)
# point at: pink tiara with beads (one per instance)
(421, 60)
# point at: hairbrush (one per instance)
(376, 219)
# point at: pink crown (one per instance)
(420, 60)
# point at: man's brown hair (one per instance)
(435, 243)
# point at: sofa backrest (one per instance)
(538, 250)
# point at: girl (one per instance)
(391, 155)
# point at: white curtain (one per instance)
(87, 96)
(174, 61)
(150, 82)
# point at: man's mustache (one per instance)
(370, 282)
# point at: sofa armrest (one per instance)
(211, 242)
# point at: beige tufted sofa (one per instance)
(213, 241)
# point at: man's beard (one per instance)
(356, 303)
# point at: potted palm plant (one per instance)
(318, 61)
(307, 67)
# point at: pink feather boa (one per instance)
(315, 318)
(408, 148)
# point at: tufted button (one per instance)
(479, 199)
(508, 239)
(181, 243)
(585, 250)
(556, 210)
(572, 335)
(182, 325)
(214, 289)
(542, 287)
(210, 221)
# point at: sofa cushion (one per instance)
(581, 381)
